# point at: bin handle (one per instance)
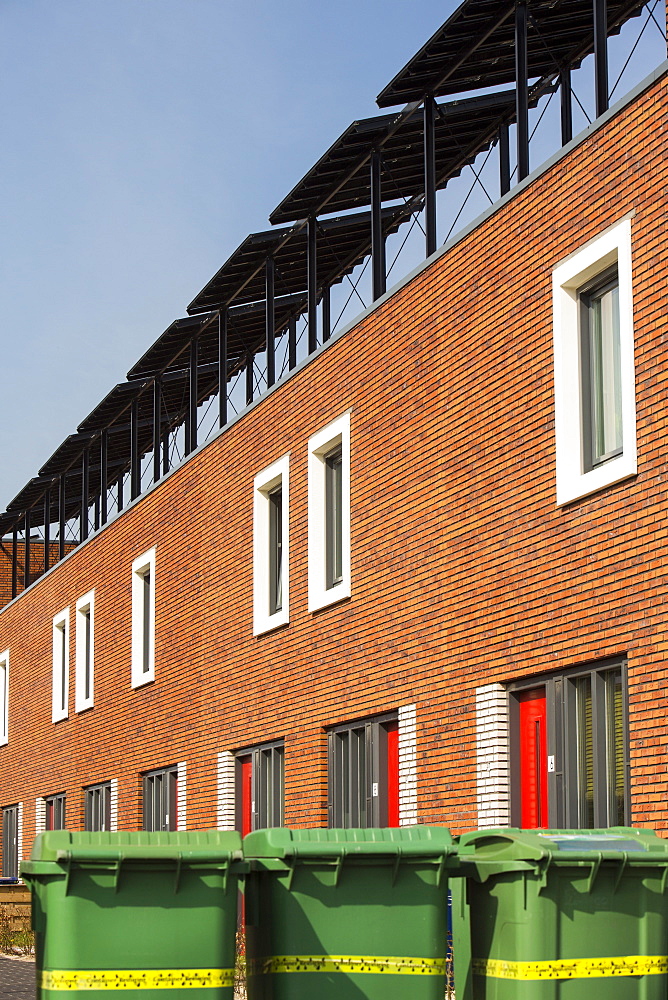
(595, 865)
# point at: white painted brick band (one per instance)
(226, 791)
(181, 818)
(492, 756)
(40, 816)
(113, 805)
(408, 814)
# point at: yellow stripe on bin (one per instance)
(136, 979)
(358, 964)
(573, 968)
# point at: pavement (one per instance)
(17, 979)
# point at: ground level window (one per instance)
(10, 842)
(260, 787)
(55, 811)
(569, 749)
(363, 773)
(97, 807)
(160, 799)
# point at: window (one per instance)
(97, 807)
(143, 619)
(593, 366)
(329, 514)
(85, 625)
(569, 749)
(61, 666)
(363, 769)
(271, 547)
(260, 789)
(55, 811)
(160, 799)
(10, 842)
(4, 697)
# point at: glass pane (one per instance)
(333, 518)
(86, 616)
(616, 777)
(275, 551)
(585, 752)
(606, 391)
(146, 622)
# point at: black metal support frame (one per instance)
(85, 476)
(429, 109)
(601, 55)
(522, 89)
(504, 159)
(135, 471)
(566, 105)
(222, 367)
(378, 263)
(312, 282)
(270, 280)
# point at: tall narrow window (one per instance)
(260, 789)
(275, 550)
(271, 547)
(10, 842)
(97, 807)
(594, 381)
(4, 697)
(333, 517)
(61, 666)
(160, 790)
(329, 514)
(601, 370)
(143, 619)
(55, 811)
(85, 627)
(364, 773)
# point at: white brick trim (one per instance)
(407, 765)
(492, 757)
(40, 816)
(113, 805)
(19, 833)
(181, 820)
(225, 819)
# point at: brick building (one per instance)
(419, 575)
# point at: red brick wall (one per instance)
(464, 571)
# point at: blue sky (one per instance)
(142, 140)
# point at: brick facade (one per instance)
(465, 574)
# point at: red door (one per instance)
(246, 795)
(533, 758)
(392, 730)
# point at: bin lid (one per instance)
(405, 841)
(194, 846)
(561, 846)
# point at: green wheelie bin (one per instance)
(347, 914)
(561, 915)
(135, 913)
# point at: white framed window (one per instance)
(85, 652)
(143, 619)
(595, 421)
(271, 547)
(329, 514)
(4, 697)
(61, 666)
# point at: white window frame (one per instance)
(61, 666)
(611, 247)
(277, 474)
(335, 434)
(4, 698)
(139, 676)
(85, 603)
